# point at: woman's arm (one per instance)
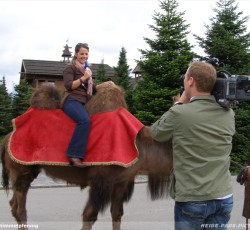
(70, 82)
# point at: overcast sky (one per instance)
(38, 30)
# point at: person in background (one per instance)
(201, 132)
(79, 85)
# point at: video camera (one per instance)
(229, 89)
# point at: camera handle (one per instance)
(223, 73)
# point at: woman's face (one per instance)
(82, 55)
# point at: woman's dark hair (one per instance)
(77, 49)
(81, 45)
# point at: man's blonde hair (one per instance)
(204, 75)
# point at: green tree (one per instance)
(122, 70)
(122, 77)
(101, 73)
(21, 98)
(5, 109)
(227, 37)
(241, 139)
(162, 64)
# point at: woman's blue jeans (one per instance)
(77, 112)
(199, 215)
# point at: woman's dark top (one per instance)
(70, 74)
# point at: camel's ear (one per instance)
(176, 98)
(46, 97)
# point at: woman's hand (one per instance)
(87, 73)
(78, 82)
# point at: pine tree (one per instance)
(122, 70)
(101, 73)
(163, 63)
(241, 139)
(227, 38)
(123, 79)
(5, 109)
(21, 98)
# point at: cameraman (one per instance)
(201, 132)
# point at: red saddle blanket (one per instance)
(42, 137)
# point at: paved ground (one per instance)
(61, 208)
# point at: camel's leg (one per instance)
(90, 211)
(18, 202)
(121, 192)
(21, 177)
(89, 216)
(13, 205)
(21, 212)
(99, 198)
(21, 184)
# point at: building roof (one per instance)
(137, 69)
(42, 67)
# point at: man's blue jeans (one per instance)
(197, 215)
(77, 112)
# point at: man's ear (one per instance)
(190, 81)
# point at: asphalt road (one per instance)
(61, 208)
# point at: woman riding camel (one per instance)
(78, 82)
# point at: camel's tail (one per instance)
(157, 186)
(5, 174)
(156, 160)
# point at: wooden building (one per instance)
(137, 71)
(37, 72)
(137, 77)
